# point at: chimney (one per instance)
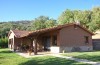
(77, 22)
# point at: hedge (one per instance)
(4, 42)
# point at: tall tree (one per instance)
(39, 23)
(50, 23)
(96, 17)
(66, 17)
(84, 17)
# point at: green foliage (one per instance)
(39, 23)
(96, 17)
(66, 17)
(3, 42)
(6, 26)
(50, 23)
(43, 22)
(93, 26)
(88, 18)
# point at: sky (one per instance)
(16, 10)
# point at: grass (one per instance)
(93, 56)
(9, 58)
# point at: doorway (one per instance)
(47, 43)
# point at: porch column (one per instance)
(51, 41)
(35, 46)
(58, 39)
(21, 49)
(31, 45)
(14, 45)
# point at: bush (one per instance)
(3, 42)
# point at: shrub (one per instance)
(3, 42)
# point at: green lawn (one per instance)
(93, 56)
(9, 58)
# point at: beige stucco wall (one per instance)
(71, 37)
(17, 42)
(11, 44)
(97, 35)
(11, 35)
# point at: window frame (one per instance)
(86, 39)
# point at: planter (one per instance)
(55, 49)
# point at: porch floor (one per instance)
(26, 55)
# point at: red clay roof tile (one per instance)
(19, 33)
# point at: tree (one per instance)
(84, 17)
(96, 17)
(92, 26)
(39, 23)
(66, 17)
(50, 23)
(88, 18)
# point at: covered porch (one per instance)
(36, 41)
(47, 41)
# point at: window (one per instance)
(86, 39)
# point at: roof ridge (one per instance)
(23, 33)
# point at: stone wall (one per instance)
(75, 49)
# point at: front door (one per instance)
(47, 44)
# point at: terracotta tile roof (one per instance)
(19, 33)
(49, 29)
(57, 28)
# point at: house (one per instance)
(16, 38)
(96, 40)
(58, 39)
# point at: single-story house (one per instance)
(57, 39)
(96, 40)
